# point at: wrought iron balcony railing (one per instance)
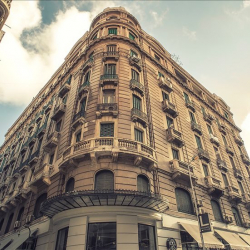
(140, 116)
(135, 85)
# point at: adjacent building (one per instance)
(100, 158)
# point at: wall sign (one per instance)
(171, 244)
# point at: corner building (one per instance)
(99, 159)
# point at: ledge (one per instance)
(91, 198)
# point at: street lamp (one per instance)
(194, 158)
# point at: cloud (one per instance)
(245, 126)
(191, 35)
(31, 51)
(158, 18)
(246, 4)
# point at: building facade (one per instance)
(100, 158)
(4, 13)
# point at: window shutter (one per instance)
(104, 180)
(184, 202)
(142, 184)
(216, 211)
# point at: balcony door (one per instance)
(136, 102)
(110, 69)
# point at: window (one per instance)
(83, 104)
(224, 140)
(186, 97)
(131, 36)
(20, 214)
(236, 216)
(101, 236)
(157, 58)
(61, 241)
(143, 184)
(135, 75)
(226, 114)
(209, 129)
(224, 177)
(107, 130)
(203, 110)
(104, 180)
(78, 136)
(7, 229)
(192, 117)
(70, 185)
(241, 187)
(30, 152)
(110, 69)
(232, 162)
(39, 202)
(217, 153)
(175, 153)
(198, 141)
(165, 96)
(138, 135)
(91, 55)
(112, 31)
(109, 96)
(205, 169)
(132, 53)
(170, 122)
(160, 74)
(184, 202)
(111, 48)
(69, 79)
(1, 224)
(146, 237)
(87, 77)
(51, 159)
(39, 143)
(58, 126)
(64, 100)
(136, 102)
(94, 37)
(216, 211)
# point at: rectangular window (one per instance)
(51, 159)
(131, 36)
(109, 96)
(62, 236)
(110, 69)
(107, 130)
(136, 102)
(58, 126)
(217, 153)
(192, 117)
(101, 236)
(170, 121)
(111, 48)
(94, 37)
(138, 135)
(224, 140)
(135, 75)
(157, 58)
(209, 129)
(87, 77)
(165, 96)
(175, 154)
(224, 177)
(69, 79)
(83, 104)
(203, 110)
(198, 142)
(146, 237)
(232, 161)
(39, 143)
(186, 97)
(205, 169)
(112, 31)
(132, 53)
(241, 187)
(78, 136)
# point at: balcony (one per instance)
(139, 116)
(136, 62)
(245, 159)
(110, 109)
(229, 150)
(190, 105)
(238, 140)
(110, 55)
(196, 127)
(59, 111)
(169, 107)
(48, 106)
(78, 119)
(92, 198)
(88, 64)
(222, 165)
(109, 79)
(115, 148)
(134, 85)
(34, 158)
(246, 200)
(84, 88)
(237, 174)
(208, 117)
(214, 186)
(180, 171)
(214, 140)
(41, 131)
(174, 136)
(22, 168)
(165, 84)
(52, 140)
(234, 194)
(203, 154)
(64, 89)
(222, 128)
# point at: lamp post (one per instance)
(194, 158)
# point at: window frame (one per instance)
(102, 125)
(58, 247)
(138, 132)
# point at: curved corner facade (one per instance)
(101, 157)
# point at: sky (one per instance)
(210, 38)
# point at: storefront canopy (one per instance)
(233, 240)
(210, 240)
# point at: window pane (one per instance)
(107, 130)
(184, 203)
(132, 37)
(198, 141)
(62, 236)
(136, 102)
(142, 183)
(146, 237)
(138, 135)
(101, 236)
(109, 96)
(175, 154)
(224, 177)
(205, 169)
(216, 211)
(112, 31)
(110, 69)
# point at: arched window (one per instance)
(70, 185)
(216, 211)
(143, 184)
(39, 202)
(104, 180)
(184, 202)
(9, 223)
(237, 216)
(1, 224)
(20, 214)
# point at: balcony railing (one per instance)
(169, 107)
(208, 117)
(59, 111)
(222, 164)
(238, 140)
(64, 89)
(87, 65)
(245, 159)
(135, 61)
(110, 55)
(174, 136)
(139, 116)
(165, 84)
(190, 105)
(222, 128)
(196, 127)
(214, 139)
(34, 157)
(229, 150)
(110, 109)
(234, 194)
(237, 173)
(52, 140)
(134, 85)
(109, 79)
(84, 88)
(203, 154)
